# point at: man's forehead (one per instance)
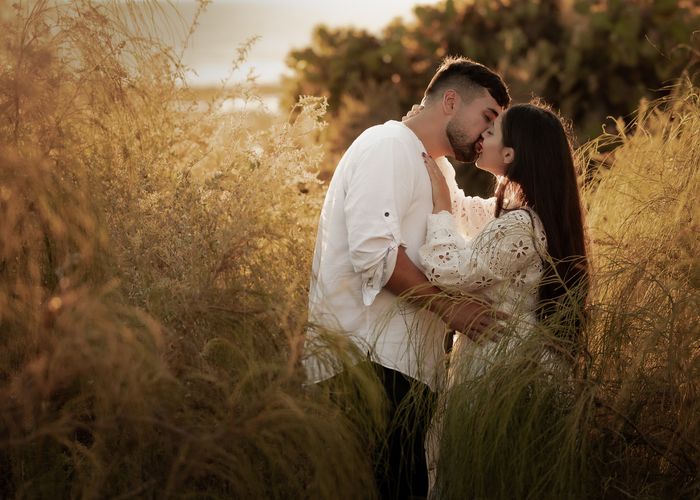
(492, 106)
(495, 110)
(489, 104)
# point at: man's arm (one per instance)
(407, 281)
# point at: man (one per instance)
(372, 224)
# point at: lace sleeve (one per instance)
(503, 250)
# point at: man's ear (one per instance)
(450, 100)
(508, 155)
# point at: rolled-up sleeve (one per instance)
(378, 193)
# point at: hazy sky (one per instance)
(282, 25)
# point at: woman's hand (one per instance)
(441, 191)
(415, 109)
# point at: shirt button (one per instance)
(386, 214)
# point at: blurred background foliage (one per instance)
(590, 59)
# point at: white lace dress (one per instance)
(502, 262)
(498, 259)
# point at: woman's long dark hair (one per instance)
(543, 177)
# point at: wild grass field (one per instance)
(154, 264)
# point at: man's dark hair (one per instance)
(465, 76)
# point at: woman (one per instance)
(527, 256)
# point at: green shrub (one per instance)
(590, 60)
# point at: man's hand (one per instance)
(468, 315)
(472, 317)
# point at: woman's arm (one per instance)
(503, 251)
(471, 212)
(465, 314)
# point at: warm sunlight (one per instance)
(281, 25)
(437, 250)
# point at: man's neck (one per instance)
(433, 137)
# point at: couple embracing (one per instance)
(404, 259)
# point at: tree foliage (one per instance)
(590, 59)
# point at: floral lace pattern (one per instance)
(506, 252)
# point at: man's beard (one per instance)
(463, 147)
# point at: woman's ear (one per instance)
(508, 155)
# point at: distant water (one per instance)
(269, 104)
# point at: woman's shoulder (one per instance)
(520, 215)
(520, 222)
(513, 218)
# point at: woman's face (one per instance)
(493, 156)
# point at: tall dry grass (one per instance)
(624, 420)
(154, 260)
(645, 356)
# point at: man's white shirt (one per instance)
(379, 199)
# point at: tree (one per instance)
(590, 59)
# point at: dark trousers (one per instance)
(399, 465)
